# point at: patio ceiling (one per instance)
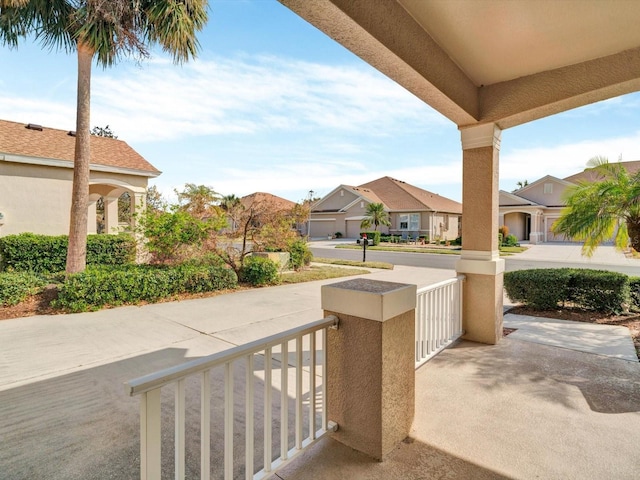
(482, 61)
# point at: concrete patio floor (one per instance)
(515, 410)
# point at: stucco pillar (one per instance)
(92, 224)
(370, 363)
(480, 258)
(111, 215)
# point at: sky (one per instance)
(272, 104)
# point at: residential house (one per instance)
(531, 211)
(36, 173)
(412, 211)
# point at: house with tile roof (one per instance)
(36, 172)
(412, 210)
(531, 211)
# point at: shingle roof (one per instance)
(400, 196)
(267, 198)
(51, 143)
(590, 175)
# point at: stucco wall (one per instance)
(536, 194)
(35, 198)
(338, 201)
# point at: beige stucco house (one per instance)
(412, 211)
(36, 170)
(531, 211)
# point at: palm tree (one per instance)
(106, 30)
(606, 208)
(375, 215)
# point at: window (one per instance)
(548, 188)
(409, 221)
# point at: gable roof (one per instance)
(401, 196)
(52, 144)
(589, 175)
(278, 203)
(508, 199)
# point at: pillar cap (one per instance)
(370, 299)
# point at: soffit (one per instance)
(496, 40)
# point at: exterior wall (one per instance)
(338, 200)
(516, 223)
(36, 198)
(536, 194)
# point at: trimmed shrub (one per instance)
(541, 289)
(373, 235)
(599, 290)
(634, 292)
(338, 234)
(510, 241)
(48, 254)
(259, 271)
(100, 286)
(15, 287)
(544, 289)
(300, 255)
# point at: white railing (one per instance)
(208, 388)
(438, 318)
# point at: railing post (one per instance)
(150, 435)
(370, 363)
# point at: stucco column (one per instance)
(111, 215)
(92, 224)
(370, 363)
(480, 258)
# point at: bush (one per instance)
(457, 241)
(374, 235)
(544, 289)
(510, 241)
(300, 255)
(541, 289)
(48, 254)
(15, 287)
(259, 271)
(338, 234)
(99, 286)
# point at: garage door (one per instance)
(552, 237)
(322, 228)
(353, 228)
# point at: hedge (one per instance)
(300, 255)
(99, 286)
(634, 294)
(259, 271)
(48, 254)
(544, 289)
(17, 286)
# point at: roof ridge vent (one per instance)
(34, 126)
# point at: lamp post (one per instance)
(311, 192)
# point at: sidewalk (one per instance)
(572, 253)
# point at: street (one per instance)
(513, 262)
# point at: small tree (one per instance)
(603, 209)
(199, 200)
(375, 215)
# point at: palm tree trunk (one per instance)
(77, 252)
(633, 229)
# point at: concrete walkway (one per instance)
(63, 411)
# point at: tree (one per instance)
(606, 208)
(103, 132)
(199, 200)
(155, 201)
(232, 207)
(105, 30)
(521, 184)
(375, 215)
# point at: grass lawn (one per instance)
(353, 263)
(504, 251)
(320, 273)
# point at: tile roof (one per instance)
(267, 198)
(590, 175)
(400, 196)
(51, 143)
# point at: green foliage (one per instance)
(46, 253)
(510, 241)
(168, 233)
(374, 235)
(259, 271)
(17, 286)
(99, 286)
(338, 234)
(300, 255)
(375, 215)
(457, 241)
(544, 289)
(604, 209)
